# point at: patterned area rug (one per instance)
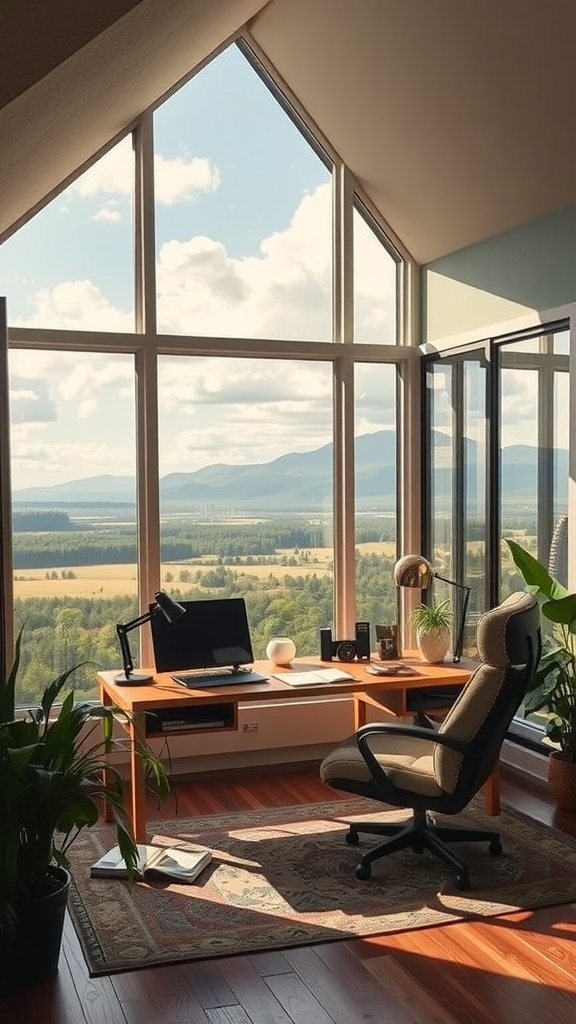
(285, 877)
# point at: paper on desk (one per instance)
(311, 677)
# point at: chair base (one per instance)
(420, 834)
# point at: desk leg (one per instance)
(108, 778)
(138, 781)
(492, 792)
(359, 712)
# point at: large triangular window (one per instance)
(243, 212)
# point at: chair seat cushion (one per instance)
(409, 763)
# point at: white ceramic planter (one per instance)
(433, 646)
(281, 650)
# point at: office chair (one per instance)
(441, 770)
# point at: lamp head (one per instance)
(171, 609)
(413, 571)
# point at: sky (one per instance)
(243, 249)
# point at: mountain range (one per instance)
(297, 481)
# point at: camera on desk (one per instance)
(346, 650)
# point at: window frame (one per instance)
(146, 345)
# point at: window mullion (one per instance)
(144, 227)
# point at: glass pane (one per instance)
(246, 490)
(74, 524)
(375, 279)
(561, 445)
(72, 266)
(519, 454)
(375, 430)
(534, 459)
(473, 520)
(243, 213)
(441, 473)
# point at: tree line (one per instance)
(117, 546)
(60, 632)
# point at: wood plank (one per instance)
(297, 999)
(164, 994)
(396, 979)
(253, 994)
(331, 974)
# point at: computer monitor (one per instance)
(211, 633)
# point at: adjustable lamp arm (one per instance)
(461, 586)
(170, 609)
(122, 631)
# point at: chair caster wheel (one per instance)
(352, 838)
(462, 882)
(495, 847)
(362, 871)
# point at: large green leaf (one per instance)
(8, 688)
(534, 573)
(562, 610)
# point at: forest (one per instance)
(60, 632)
(66, 631)
(179, 540)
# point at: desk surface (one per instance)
(163, 692)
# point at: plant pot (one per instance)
(433, 646)
(562, 781)
(35, 950)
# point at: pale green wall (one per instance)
(529, 268)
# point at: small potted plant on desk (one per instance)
(553, 687)
(51, 780)
(432, 624)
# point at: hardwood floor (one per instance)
(515, 969)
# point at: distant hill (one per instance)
(299, 480)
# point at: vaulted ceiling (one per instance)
(456, 118)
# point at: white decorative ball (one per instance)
(281, 650)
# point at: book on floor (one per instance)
(154, 862)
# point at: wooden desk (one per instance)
(220, 704)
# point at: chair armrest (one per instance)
(379, 774)
(416, 731)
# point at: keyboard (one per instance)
(198, 679)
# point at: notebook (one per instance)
(209, 645)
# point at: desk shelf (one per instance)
(204, 718)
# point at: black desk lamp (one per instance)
(171, 609)
(416, 571)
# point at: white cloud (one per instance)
(107, 213)
(30, 401)
(240, 411)
(283, 293)
(48, 462)
(176, 178)
(113, 174)
(179, 178)
(84, 385)
(76, 305)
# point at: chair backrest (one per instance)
(509, 647)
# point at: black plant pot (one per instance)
(35, 951)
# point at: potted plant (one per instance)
(432, 624)
(52, 779)
(553, 687)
